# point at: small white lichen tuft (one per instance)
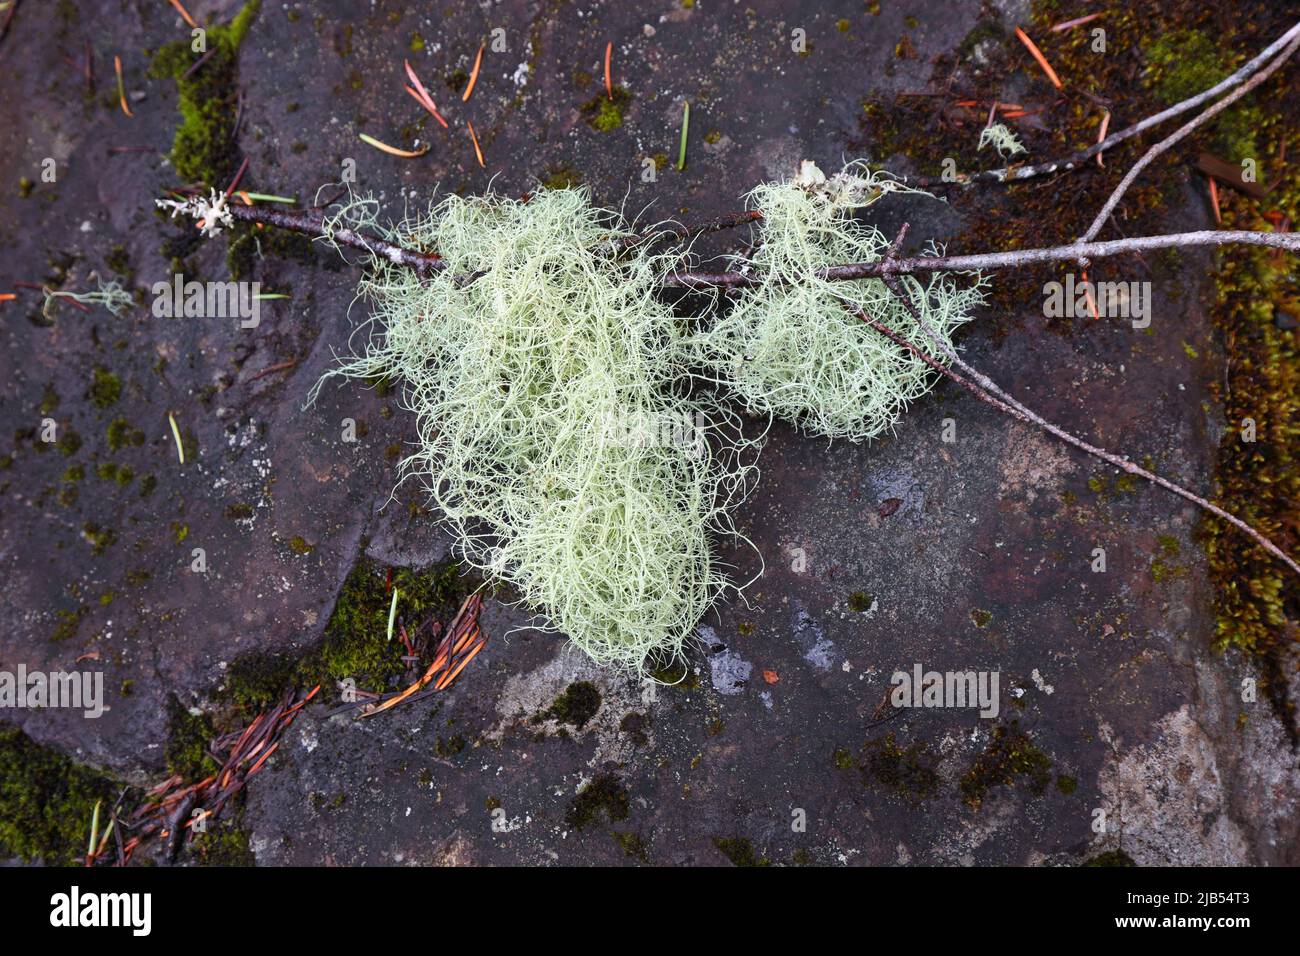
(211, 212)
(1002, 139)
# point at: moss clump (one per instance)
(562, 176)
(860, 602)
(105, 388)
(577, 705)
(740, 851)
(46, 801)
(99, 538)
(1182, 63)
(907, 770)
(356, 641)
(633, 846)
(604, 114)
(1067, 785)
(356, 637)
(980, 617)
(1009, 754)
(49, 400)
(223, 845)
(843, 759)
(188, 738)
(204, 148)
(122, 433)
(605, 793)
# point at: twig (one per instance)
(312, 224)
(1073, 161)
(996, 260)
(988, 390)
(1169, 141)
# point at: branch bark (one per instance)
(988, 391)
(1169, 141)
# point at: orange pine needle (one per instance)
(609, 86)
(1092, 303)
(1038, 55)
(422, 95)
(445, 682)
(474, 136)
(255, 767)
(7, 296)
(1214, 201)
(185, 14)
(393, 150)
(121, 86)
(1101, 135)
(419, 99)
(473, 77)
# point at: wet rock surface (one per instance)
(778, 744)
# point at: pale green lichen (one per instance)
(793, 346)
(1002, 139)
(544, 391)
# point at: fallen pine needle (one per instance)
(1038, 55)
(176, 434)
(185, 14)
(1214, 201)
(473, 77)
(7, 296)
(250, 198)
(474, 136)
(392, 613)
(1076, 22)
(686, 126)
(393, 150)
(417, 89)
(121, 86)
(1092, 303)
(94, 832)
(1101, 135)
(609, 86)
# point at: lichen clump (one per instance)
(555, 433)
(794, 347)
(571, 427)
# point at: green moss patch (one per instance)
(204, 148)
(46, 801)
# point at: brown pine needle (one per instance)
(1038, 55)
(185, 14)
(1214, 201)
(473, 77)
(7, 296)
(609, 86)
(393, 150)
(121, 86)
(1101, 135)
(474, 136)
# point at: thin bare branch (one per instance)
(988, 390)
(1169, 141)
(998, 260)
